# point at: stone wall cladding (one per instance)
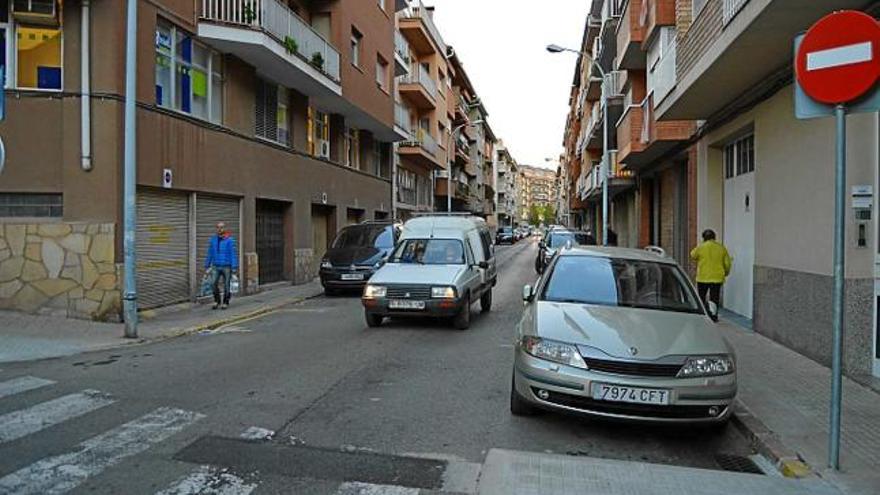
(66, 269)
(794, 309)
(305, 268)
(695, 35)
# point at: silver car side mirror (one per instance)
(527, 293)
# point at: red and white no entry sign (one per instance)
(839, 58)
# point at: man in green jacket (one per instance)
(713, 267)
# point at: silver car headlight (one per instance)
(552, 350)
(443, 292)
(698, 366)
(374, 291)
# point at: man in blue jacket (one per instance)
(222, 261)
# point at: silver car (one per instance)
(620, 333)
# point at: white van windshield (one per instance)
(429, 252)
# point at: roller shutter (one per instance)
(162, 242)
(209, 211)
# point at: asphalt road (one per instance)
(325, 383)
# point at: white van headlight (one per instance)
(375, 291)
(443, 292)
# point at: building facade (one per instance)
(276, 117)
(537, 187)
(712, 142)
(507, 173)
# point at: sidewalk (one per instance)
(27, 337)
(784, 399)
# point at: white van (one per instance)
(441, 265)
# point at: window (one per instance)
(739, 157)
(430, 252)
(319, 133)
(356, 38)
(272, 121)
(382, 73)
(189, 76)
(38, 60)
(31, 205)
(353, 145)
(407, 186)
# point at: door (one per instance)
(163, 248)
(739, 237)
(270, 241)
(321, 236)
(211, 210)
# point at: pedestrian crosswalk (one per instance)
(88, 460)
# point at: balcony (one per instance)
(642, 139)
(417, 25)
(749, 47)
(274, 39)
(421, 149)
(402, 57)
(660, 13)
(419, 88)
(630, 35)
(619, 179)
(402, 119)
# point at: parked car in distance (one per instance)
(620, 333)
(505, 235)
(557, 238)
(442, 264)
(356, 253)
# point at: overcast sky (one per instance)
(524, 88)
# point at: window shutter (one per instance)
(260, 116)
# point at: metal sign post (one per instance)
(837, 66)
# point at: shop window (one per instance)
(189, 75)
(38, 57)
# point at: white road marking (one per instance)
(257, 433)
(22, 384)
(210, 481)
(62, 473)
(20, 423)
(840, 56)
(357, 488)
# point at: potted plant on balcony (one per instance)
(318, 60)
(290, 45)
(249, 12)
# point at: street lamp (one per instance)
(450, 152)
(604, 171)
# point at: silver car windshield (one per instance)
(429, 252)
(620, 282)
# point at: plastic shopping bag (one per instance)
(233, 285)
(206, 289)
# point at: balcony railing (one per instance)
(612, 84)
(662, 79)
(402, 117)
(401, 47)
(276, 19)
(422, 77)
(730, 8)
(418, 10)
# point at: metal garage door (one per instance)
(270, 241)
(162, 248)
(209, 211)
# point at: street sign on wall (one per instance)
(838, 59)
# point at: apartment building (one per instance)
(436, 107)
(276, 117)
(537, 188)
(708, 132)
(507, 172)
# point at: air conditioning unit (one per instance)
(324, 149)
(36, 11)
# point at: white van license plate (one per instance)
(352, 276)
(634, 395)
(404, 304)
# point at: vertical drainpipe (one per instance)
(85, 90)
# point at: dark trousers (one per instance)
(226, 273)
(714, 294)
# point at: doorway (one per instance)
(739, 224)
(270, 240)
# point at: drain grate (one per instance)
(737, 463)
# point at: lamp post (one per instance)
(450, 152)
(605, 167)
